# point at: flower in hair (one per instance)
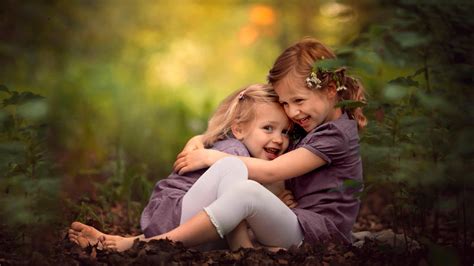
(312, 81)
(241, 95)
(341, 88)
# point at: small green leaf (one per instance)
(350, 104)
(12, 147)
(347, 184)
(418, 72)
(410, 39)
(34, 110)
(395, 91)
(344, 51)
(328, 64)
(404, 81)
(352, 184)
(4, 88)
(21, 98)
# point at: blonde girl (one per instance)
(250, 122)
(327, 155)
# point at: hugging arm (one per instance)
(286, 166)
(194, 143)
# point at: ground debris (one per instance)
(380, 244)
(386, 237)
(165, 252)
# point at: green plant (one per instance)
(28, 185)
(420, 112)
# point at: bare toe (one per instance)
(86, 235)
(78, 226)
(83, 242)
(74, 240)
(73, 232)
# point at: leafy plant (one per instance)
(420, 112)
(28, 185)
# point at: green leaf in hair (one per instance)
(350, 104)
(327, 65)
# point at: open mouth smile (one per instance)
(272, 153)
(272, 150)
(302, 121)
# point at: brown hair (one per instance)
(295, 64)
(237, 108)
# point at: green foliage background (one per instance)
(99, 96)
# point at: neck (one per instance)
(335, 114)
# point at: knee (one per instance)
(233, 164)
(250, 190)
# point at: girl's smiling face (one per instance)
(306, 107)
(266, 137)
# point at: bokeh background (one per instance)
(100, 96)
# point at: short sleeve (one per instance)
(232, 146)
(327, 142)
(238, 151)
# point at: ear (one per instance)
(332, 92)
(238, 131)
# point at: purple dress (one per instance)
(163, 212)
(325, 211)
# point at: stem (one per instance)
(33, 163)
(427, 74)
(406, 238)
(436, 216)
(458, 215)
(464, 215)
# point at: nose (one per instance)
(277, 138)
(292, 111)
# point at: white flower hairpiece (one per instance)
(341, 88)
(241, 95)
(313, 81)
(327, 69)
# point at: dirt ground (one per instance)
(377, 244)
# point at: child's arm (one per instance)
(287, 197)
(286, 166)
(194, 143)
(276, 187)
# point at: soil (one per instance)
(373, 221)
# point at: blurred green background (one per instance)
(100, 96)
(143, 76)
(136, 79)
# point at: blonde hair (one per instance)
(295, 64)
(239, 107)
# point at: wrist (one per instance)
(209, 161)
(213, 157)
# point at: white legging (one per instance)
(229, 197)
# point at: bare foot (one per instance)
(274, 249)
(84, 235)
(74, 237)
(118, 243)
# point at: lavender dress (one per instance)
(325, 211)
(163, 212)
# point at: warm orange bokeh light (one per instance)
(261, 18)
(248, 35)
(262, 15)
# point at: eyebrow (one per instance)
(275, 123)
(291, 99)
(270, 122)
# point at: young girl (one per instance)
(249, 122)
(328, 154)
